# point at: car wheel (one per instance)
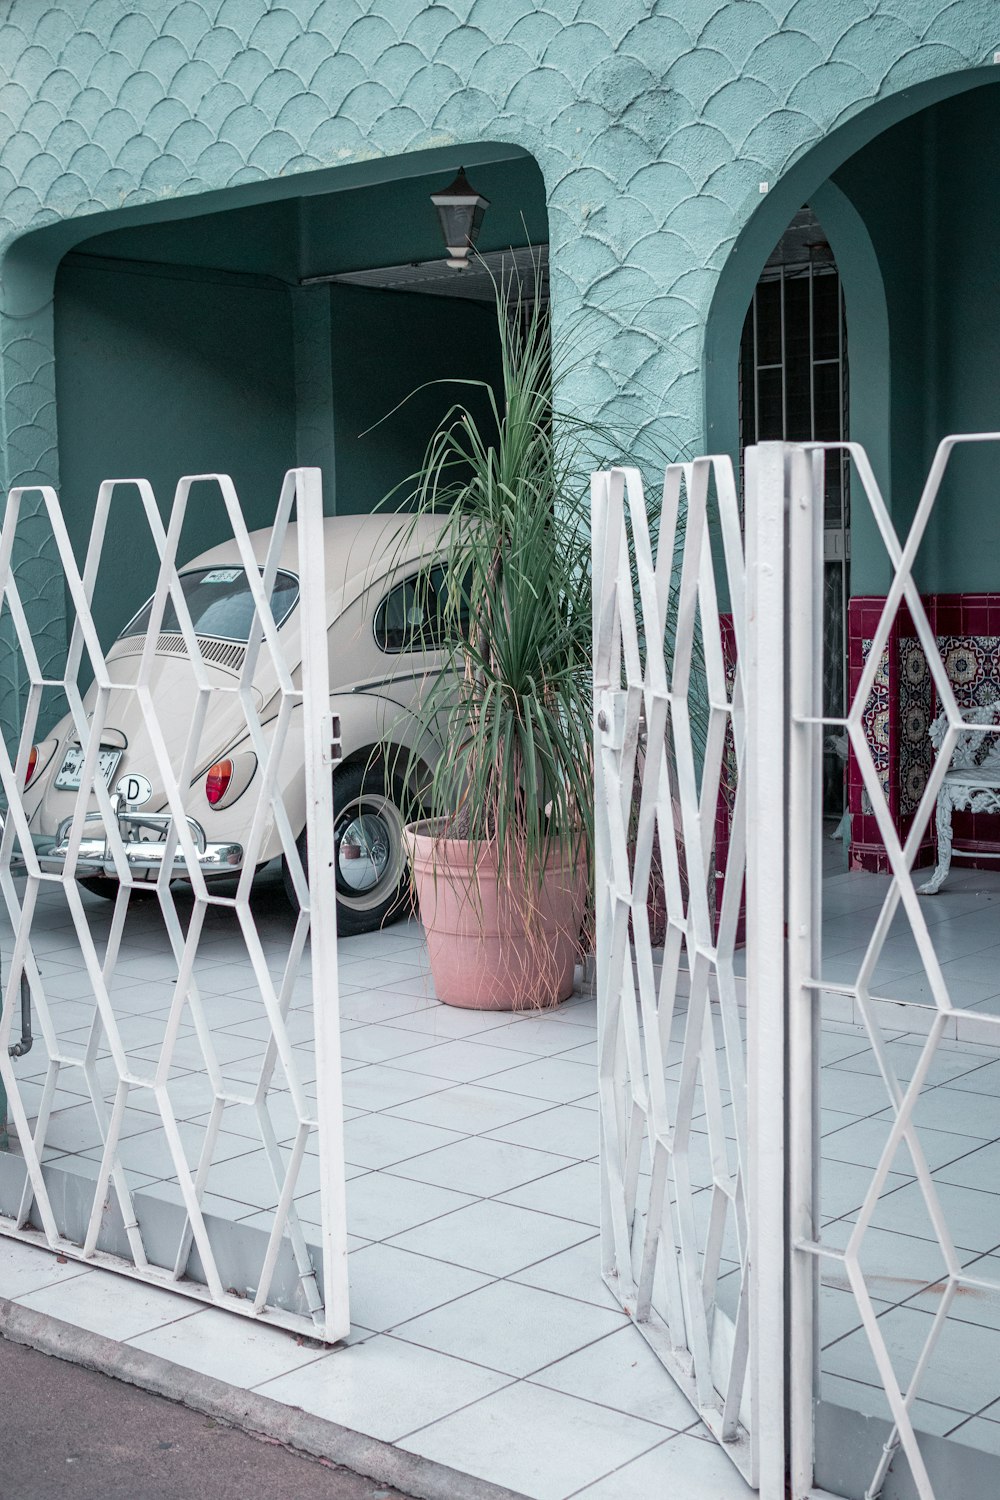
(108, 887)
(373, 887)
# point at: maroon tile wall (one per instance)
(904, 702)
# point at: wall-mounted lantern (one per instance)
(460, 209)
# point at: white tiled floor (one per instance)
(958, 1115)
(471, 1143)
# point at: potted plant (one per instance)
(501, 858)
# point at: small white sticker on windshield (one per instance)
(222, 575)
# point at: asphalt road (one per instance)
(67, 1433)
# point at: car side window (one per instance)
(411, 616)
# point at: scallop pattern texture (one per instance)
(653, 125)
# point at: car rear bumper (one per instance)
(144, 843)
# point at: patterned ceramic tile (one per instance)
(915, 714)
(877, 725)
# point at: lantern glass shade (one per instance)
(460, 210)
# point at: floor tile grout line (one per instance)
(437, 1307)
(389, 1112)
(605, 1405)
(495, 1276)
(590, 1482)
(880, 1389)
(524, 1378)
(925, 1088)
(553, 1104)
(322, 1354)
(529, 1380)
(510, 1277)
(580, 1494)
(514, 1145)
(497, 1197)
(531, 1057)
(904, 1302)
(922, 1291)
(980, 1415)
(511, 1380)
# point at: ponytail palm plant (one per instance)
(507, 478)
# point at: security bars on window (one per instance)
(111, 1078)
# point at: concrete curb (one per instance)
(370, 1457)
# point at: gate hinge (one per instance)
(332, 750)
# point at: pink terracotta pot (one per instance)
(492, 948)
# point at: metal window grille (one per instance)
(794, 387)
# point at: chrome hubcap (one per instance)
(363, 853)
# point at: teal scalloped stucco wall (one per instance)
(653, 126)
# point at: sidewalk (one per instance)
(507, 1439)
(74, 1431)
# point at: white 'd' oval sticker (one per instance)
(134, 789)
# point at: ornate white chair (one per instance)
(972, 781)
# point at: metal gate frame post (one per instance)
(766, 507)
(605, 568)
(805, 866)
(322, 750)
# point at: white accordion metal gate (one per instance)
(897, 1294)
(128, 1076)
(799, 1135)
(691, 1146)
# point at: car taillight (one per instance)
(32, 764)
(217, 781)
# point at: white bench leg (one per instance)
(944, 845)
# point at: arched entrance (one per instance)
(794, 387)
(909, 208)
(910, 217)
(271, 324)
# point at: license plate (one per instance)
(71, 769)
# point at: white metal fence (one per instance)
(681, 1137)
(944, 1293)
(284, 1088)
(718, 1192)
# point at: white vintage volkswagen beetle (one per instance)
(382, 601)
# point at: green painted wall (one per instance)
(963, 315)
(346, 228)
(158, 377)
(913, 218)
(385, 346)
(392, 223)
(928, 192)
(653, 126)
(189, 345)
(261, 239)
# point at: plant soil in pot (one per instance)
(493, 946)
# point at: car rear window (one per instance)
(412, 616)
(220, 603)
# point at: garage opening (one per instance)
(319, 330)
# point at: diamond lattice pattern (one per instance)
(670, 746)
(853, 1252)
(114, 1067)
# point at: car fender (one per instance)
(369, 724)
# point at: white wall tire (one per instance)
(373, 887)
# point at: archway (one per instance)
(911, 214)
(248, 331)
(909, 208)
